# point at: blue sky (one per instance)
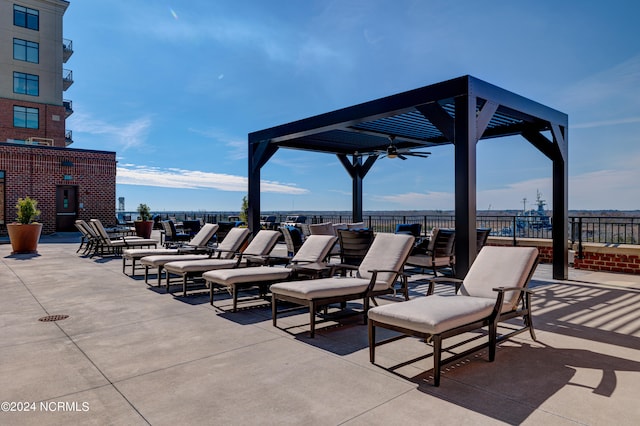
(174, 87)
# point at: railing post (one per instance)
(515, 243)
(580, 253)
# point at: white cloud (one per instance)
(193, 179)
(238, 145)
(132, 134)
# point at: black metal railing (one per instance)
(582, 229)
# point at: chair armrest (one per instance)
(521, 289)
(443, 280)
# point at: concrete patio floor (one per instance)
(132, 354)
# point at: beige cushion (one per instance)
(434, 314)
(355, 225)
(198, 265)
(324, 287)
(230, 277)
(315, 248)
(338, 226)
(499, 267)
(143, 252)
(159, 260)
(427, 261)
(387, 252)
(232, 242)
(262, 243)
(322, 229)
(204, 235)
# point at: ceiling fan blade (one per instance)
(402, 157)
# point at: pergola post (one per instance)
(357, 170)
(259, 153)
(560, 233)
(465, 182)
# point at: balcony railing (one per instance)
(68, 107)
(68, 137)
(67, 49)
(67, 79)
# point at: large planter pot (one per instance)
(24, 237)
(143, 228)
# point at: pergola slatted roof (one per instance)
(460, 111)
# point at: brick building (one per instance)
(34, 156)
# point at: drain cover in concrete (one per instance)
(50, 318)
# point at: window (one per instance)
(27, 84)
(25, 17)
(28, 51)
(25, 117)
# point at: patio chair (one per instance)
(169, 236)
(354, 245)
(308, 260)
(477, 303)
(381, 268)
(89, 239)
(198, 244)
(292, 239)
(238, 236)
(259, 247)
(482, 235)
(439, 253)
(116, 245)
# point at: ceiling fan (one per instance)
(392, 151)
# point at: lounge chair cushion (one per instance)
(356, 225)
(159, 260)
(204, 235)
(322, 229)
(314, 249)
(229, 277)
(143, 252)
(323, 287)
(434, 314)
(199, 265)
(499, 267)
(387, 252)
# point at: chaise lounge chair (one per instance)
(308, 259)
(225, 250)
(198, 244)
(376, 275)
(494, 290)
(115, 245)
(255, 253)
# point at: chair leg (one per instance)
(234, 293)
(372, 342)
(493, 339)
(274, 309)
(146, 274)
(160, 268)
(133, 266)
(184, 285)
(124, 264)
(312, 318)
(210, 292)
(437, 358)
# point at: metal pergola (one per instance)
(460, 111)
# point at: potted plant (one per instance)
(144, 224)
(25, 234)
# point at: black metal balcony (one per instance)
(67, 79)
(67, 49)
(68, 107)
(68, 137)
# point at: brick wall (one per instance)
(48, 126)
(37, 171)
(623, 258)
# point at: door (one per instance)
(66, 208)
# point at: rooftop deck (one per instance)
(131, 354)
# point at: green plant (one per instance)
(144, 211)
(244, 210)
(27, 210)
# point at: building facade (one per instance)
(35, 158)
